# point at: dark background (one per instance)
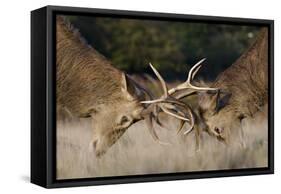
(172, 47)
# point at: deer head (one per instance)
(215, 112)
(243, 92)
(112, 119)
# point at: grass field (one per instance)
(137, 153)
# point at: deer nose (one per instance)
(98, 152)
(219, 130)
(94, 144)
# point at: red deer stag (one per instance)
(89, 86)
(243, 92)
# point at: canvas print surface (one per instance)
(137, 96)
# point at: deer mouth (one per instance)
(220, 138)
(218, 131)
(101, 145)
(98, 152)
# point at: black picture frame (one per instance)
(43, 106)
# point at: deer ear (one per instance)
(214, 97)
(207, 100)
(127, 87)
(222, 100)
(214, 100)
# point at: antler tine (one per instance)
(184, 94)
(188, 131)
(187, 84)
(163, 83)
(152, 131)
(180, 126)
(156, 111)
(194, 70)
(164, 87)
(191, 123)
(151, 101)
(165, 110)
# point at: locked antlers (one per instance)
(171, 104)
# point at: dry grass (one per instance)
(136, 152)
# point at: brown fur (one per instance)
(244, 90)
(89, 86)
(85, 78)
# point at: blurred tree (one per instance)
(171, 46)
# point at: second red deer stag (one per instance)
(243, 92)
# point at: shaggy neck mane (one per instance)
(247, 78)
(70, 39)
(254, 57)
(69, 31)
(84, 76)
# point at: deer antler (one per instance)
(185, 85)
(171, 104)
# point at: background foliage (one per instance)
(172, 47)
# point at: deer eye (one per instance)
(201, 111)
(124, 119)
